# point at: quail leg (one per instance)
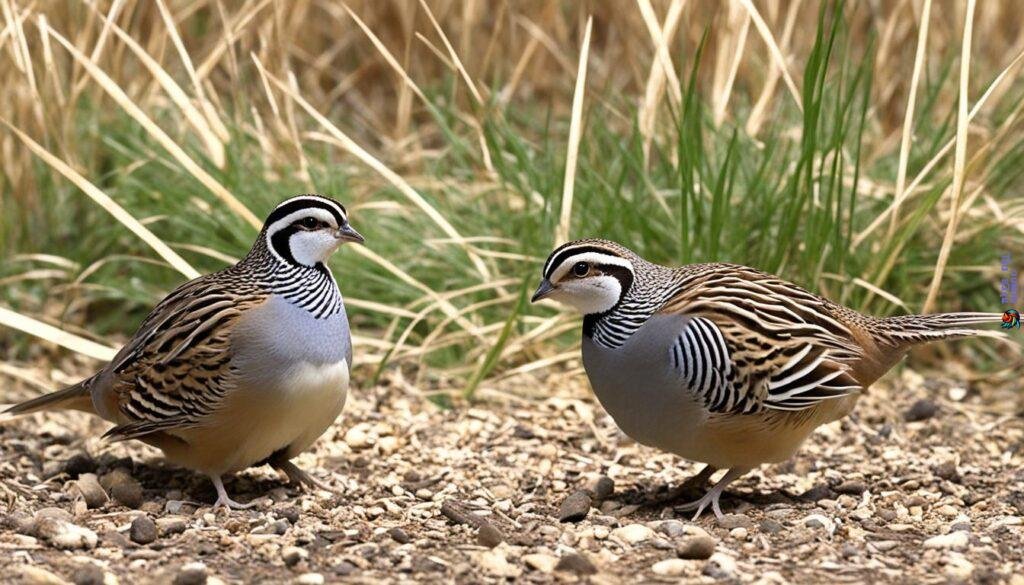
(223, 499)
(297, 475)
(713, 495)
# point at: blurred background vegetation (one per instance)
(142, 142)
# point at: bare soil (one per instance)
(426, 494)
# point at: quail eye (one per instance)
(309, 223)
(580, 269)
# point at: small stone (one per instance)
(88, 574)
(852, 487)
(123, 488)
(958, 568)
(143, 530)
(632, 533)
(289, 513)
(310, 579)
(357, 437)
(818, 492)
(191, 574)
(820, 521)
(739, 533)
(78, 464)
(293, 555)
(493, 562)
(65, 535)
(670, 567)
(730, 521)
(575, 507)
(52, 513)
(576, 563)
(489, 536)
(20, 522)
(672, 528)
(696, 547)
(541, 562)
(171, 526)
(603, 488)
(398, 535)
(923, 409)
(947, 470)
(720, 566)
(954, 540)
(35, 575)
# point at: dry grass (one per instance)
(387, 94)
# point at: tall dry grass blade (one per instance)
(248, 12)
(908, 118)
(661, 68)
(773, 48)
(959, 160)
(388, 56)
(722, 98)
(759, 112)
(101, 40)
(451, 51)
(575, 133)
(212, 118)
(136, 113)
(390, 176)
(50, 63)
(195, 119)
(108, 204)
(34, 327)
(942, 152)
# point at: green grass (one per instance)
(786, 202)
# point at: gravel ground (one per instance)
(924, 483)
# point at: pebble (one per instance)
(78, 464)
(672, 528)
(820, 521)
(489, 536)
(958, 568)
(398, 535)
(696, 547)
(310, 579)
(720, 566)
(852, 487)
(670, 567)
(574, 507)
(576, 563)
(954, 540)
(88, 574)
(143, 530)
(604, 487)
(293, 555)
(65, 535)
(171, 526)
(739, 533)
(730, 521)
(632, 533)
(33, 575)
(923, 409)
(191, 574)
(494, 562)
(123, 488)
(357, 437)
(541, 562)
(21, 522)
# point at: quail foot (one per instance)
(724, 364)
(241, 367)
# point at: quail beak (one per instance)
(347, 234)
(545, 289)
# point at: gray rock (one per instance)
(87, 574)
(293, 555)
(770, 526)
(730, 521)
(400, 536)
(720, 566)
(122, 487)
(88, 486)
(923, 409)
(191, 574)
(143, 530)
(576, 563)
(489, 536)
(65, 535)
(575, 507)
(171, 526)
(20, 522)
(603, 487)
(696, 547)
(672, 528)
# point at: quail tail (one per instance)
(913, 329)
(75, 397)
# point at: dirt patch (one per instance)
(475, 495)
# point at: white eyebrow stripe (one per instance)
(594, 258)
(322, 200)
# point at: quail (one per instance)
(242, 367)
(720, 363)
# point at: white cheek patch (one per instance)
(590, 296)
(321, 214)
(309, 248)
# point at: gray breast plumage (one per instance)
(638, 386)
(278, 336)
